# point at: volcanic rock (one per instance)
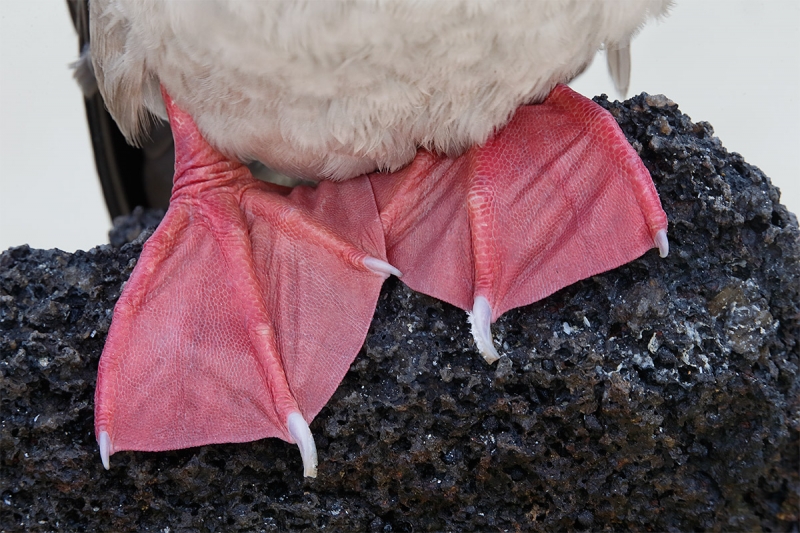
(661, 396)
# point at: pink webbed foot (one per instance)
(556, 196)
(244, 312)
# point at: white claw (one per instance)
(381, 267)
(105, 448)
(481, 318)
(662, 242)
(619, 65)
(300, 432)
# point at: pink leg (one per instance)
(244, 311)
(557, 196)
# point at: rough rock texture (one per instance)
(662, 396)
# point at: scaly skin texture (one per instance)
(250, 302)
(611, 427)
(557, 196)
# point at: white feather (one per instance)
(333, 89)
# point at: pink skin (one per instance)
(248, 304)
(557, 196)
(250, 301)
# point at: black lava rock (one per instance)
(661, 396)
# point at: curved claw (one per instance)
(381, 268)
(300, 432)
(662, 243)
(105, 448)
(481, 318)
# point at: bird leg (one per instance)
(556, 196)
(244, 311)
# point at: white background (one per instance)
(733, 63)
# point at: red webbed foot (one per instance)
(244, 312)
(556, 196)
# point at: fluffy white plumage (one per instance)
(336, 88)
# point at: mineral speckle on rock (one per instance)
(661, 396)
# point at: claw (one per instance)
(300, 432)
(381, 267)
(662, 242)
(105, 448)
(480, 318)
(618, 57)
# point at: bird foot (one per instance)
(251, 300)
(244, 312)
(556, 196)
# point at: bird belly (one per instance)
(337, 89)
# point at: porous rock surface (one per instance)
(662, 396)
